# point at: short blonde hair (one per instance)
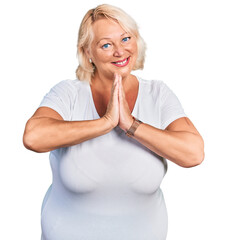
(86, 70)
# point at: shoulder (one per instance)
(69, 86)
(154, 87)
(69, 83)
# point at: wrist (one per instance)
(129, 123)
(107, 123)
(134, 125)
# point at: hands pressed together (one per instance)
(118, 112)
(180, 142)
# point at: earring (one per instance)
(93, 65)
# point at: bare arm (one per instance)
(180, 142)
(46, 130)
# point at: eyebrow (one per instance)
(110, 38)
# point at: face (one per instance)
(112, 50)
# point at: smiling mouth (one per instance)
(122, 63)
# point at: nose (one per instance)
(118, 50)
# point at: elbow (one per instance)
(200, 157)
(194, 161)
(30, 143)
(29, 139)
(196, 157)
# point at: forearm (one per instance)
(46, 134)
(183, 148)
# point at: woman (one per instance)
(105, 182)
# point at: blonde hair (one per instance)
(86, 69)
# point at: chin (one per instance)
(124, 74)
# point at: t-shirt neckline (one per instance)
(135, 105)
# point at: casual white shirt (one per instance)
(108, 188)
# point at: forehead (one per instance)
(106, 28)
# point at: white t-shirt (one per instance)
(108, 188)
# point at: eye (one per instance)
(105, 46)
(126, 39)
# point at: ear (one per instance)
(88, 53)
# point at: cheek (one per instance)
(135, 49)
(103, 57)
(132, 48)
(134, 53)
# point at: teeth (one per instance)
(121, 63)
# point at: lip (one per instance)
(121, 65)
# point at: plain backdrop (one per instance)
(186, 48)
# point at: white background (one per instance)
(186, 48)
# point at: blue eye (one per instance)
(106, 45)
(126, 39)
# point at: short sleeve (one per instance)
(59, 99)
(171, 108)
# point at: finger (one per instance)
(114, 84)
(115, 88)
(121, 89)
(116, 77)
